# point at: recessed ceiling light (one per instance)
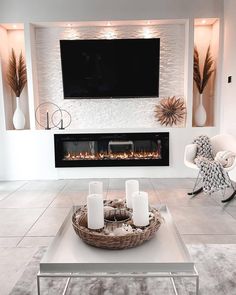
(14, 26)
(108, 23)
(203, 21)
(69, 25)
(148, 22)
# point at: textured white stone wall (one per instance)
(110, 113)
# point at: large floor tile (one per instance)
(4, 194)
(67, 199)
(16, 222)
(28, 199)
(44, 185)
(35, 241)
(83, 185)
(119, 183)
(115, 194)
(209, 239)
(171, 183)
(153, 198)
(219, 196)
(179, 197)
(9, 242)
(12, 264)
(203, 220)
(49, 223)
(231, 211)
(11, 185)
(120, 194)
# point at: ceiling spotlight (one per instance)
(148, 22)
(14, 26)
(69, 25)
(203, 21)
(108, 23)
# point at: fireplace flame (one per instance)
(72, 156)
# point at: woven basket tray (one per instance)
(101, 240)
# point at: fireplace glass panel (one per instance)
(112, 149)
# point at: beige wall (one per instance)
(61, 10)
(228, 94)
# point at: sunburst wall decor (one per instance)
(170, 111)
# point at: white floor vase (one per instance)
(200, 114)
(18, 117)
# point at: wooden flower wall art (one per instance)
(170, 111)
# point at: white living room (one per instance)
(117, 147)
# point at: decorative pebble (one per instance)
(139, 230)
(120, 232)
(108, 208)
(151, 215)
(106, 231)
(123, 230)
(118, 203)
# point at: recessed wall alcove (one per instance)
(207, 33)
(12, 36)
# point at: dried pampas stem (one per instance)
(201, 81)
(17, 77)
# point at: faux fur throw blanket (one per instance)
(212, 172)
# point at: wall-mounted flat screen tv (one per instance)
(119, 68)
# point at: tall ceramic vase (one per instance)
(18, 117)
(200, 114)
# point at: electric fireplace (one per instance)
(111, 149)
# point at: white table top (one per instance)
(166, 252)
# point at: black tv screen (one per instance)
(110, 68)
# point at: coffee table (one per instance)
(165, 256)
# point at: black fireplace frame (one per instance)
(60, 138)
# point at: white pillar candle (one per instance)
(96, 187)
(140, 209)
(131, 186)
(95, 211)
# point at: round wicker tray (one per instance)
(101, 239)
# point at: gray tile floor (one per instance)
(31, 212)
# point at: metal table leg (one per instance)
(197, 281)
(38, 284)
(174, 286)
(66, 286)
